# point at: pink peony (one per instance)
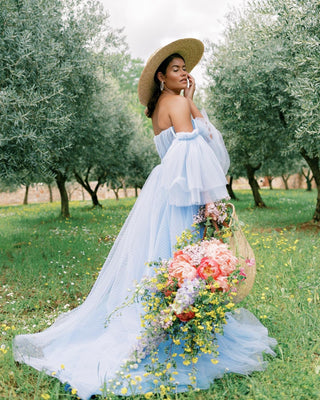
(222, 255)
(208, 268)
(181, 267)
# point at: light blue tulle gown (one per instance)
(191, 173)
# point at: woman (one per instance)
(78, 348)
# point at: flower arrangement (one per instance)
(186, 299)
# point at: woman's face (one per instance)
(175, 78)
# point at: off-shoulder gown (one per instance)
(191, 173)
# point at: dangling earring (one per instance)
(161, 86)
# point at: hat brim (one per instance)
(190, 49)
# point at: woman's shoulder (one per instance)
(176, 104)
(173, 111)
(180, 114)
(177, 100)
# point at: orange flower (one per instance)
(186, 316)
(209, 268)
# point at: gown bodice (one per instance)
(164, 140)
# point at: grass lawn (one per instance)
(48, 265)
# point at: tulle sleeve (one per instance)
(215, 140)
(191, 171)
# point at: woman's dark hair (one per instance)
(157, 92)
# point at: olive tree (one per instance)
(103, 151)
(244, 93)
(50, 54)
(264, 83)
(32, 94)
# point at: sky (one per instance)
(150, 24)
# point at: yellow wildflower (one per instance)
(163, 389)
(124, 390)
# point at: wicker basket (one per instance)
(242, 249)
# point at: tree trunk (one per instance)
(50, 193)
(230, 189)
(124, 187)
(61, 180)
(300, 179)
(309, 184)
(308, 179)
(25, 200)
(95, 201)
(116, 193)
(254, 185)
(315, 168)
(136, 191)
(270, 179)
(285, 181)
(86, 185)
(70, 190)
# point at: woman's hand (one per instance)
(189, 92)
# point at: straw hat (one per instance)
(190, 49)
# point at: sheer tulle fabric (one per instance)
(215, 140)
(90, 352)
(188, 181)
